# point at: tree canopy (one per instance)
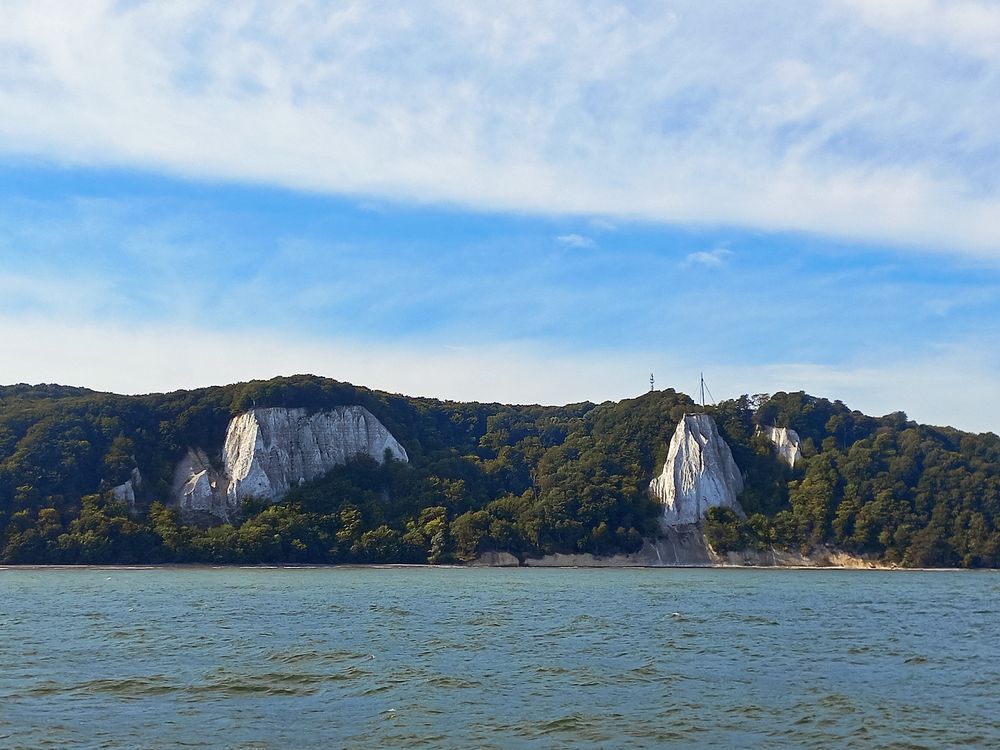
(526, 479)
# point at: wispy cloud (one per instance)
(666, 133)
(969, 28)
(81, 295)
(689, 112)
(575, 240)
(709, 258)
(328, 268)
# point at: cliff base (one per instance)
(685, 547)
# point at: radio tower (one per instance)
(651, 381)
(703, 390)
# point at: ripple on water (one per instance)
(492, 620)
(452, 682)
(333, 656)
(531, 659)
(389, 610)
(124, 687)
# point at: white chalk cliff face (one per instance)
(268, 451)
(125, 492)
(786, 443)
(198, 488)
(699, 473)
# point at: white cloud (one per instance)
(575, 240)
(953, 384)
(695, 113)
(709, 258)
(967, 27)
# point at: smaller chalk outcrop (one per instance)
(198, 488)
(786, 443)
(699, 473)
(126, 491)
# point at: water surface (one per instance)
(498, 658)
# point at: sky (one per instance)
(537, 202)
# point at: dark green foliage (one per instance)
(887, 487)
(724, 531)
(526, 479)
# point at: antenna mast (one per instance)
(651, 381)
(703, 389)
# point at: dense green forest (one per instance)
(526, 479)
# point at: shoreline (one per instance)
(404, 566)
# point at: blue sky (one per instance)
(542, 202)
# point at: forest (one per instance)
(529, 480)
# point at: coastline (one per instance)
(600, 564)
(685, 546)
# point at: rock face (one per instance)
(495, 560)
(200, 489)
(699, 473)
(268, 451)
(786, 443)
(677, 547)
(821, 557)
(125, 492)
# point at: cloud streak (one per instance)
(716, 258)
(575, 240)
(692, 113)
(969, 28)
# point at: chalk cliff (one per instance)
(699, 473)
(268, 451)
(786, 443)
(199, 489)
(125, 491)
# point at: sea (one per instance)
(438, 657)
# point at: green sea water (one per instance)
(498, 658)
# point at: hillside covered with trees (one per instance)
(526, 479)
